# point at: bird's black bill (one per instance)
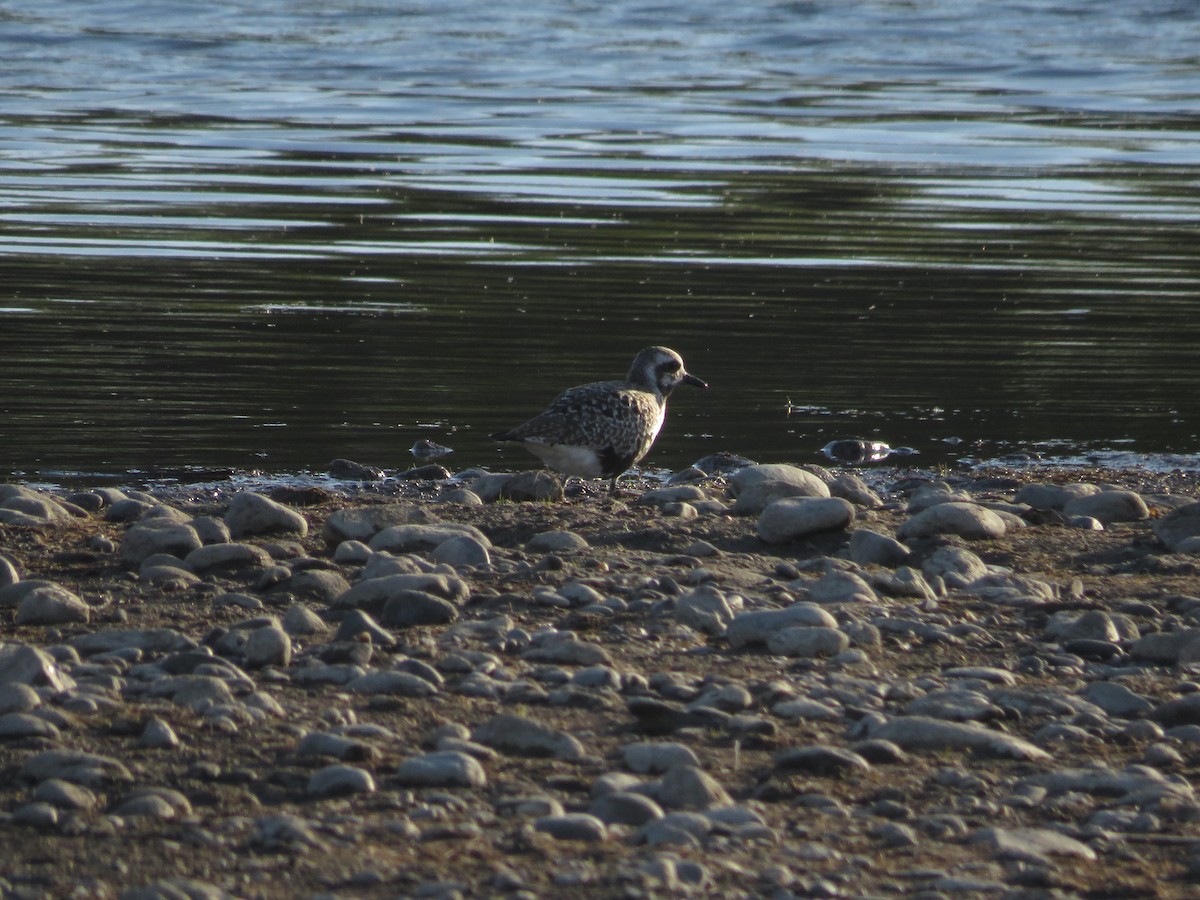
(692, 379)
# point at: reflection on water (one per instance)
(267, 235)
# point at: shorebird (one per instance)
(605, 428)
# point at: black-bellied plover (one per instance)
(605, 428)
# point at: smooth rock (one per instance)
(868, 548)
(840, 587)
(423, 538)
(363, 523)
(800, 517)
(822, 760)
(556, 542)
(1054, 496)
(8, 572)
(924, 733)
(517, 734)
(967, 520)
(806, 642)
(145, 539)
(462, 551)
(408, 609)
(442, 768)
(267, 646)
(339, 780)
(226, 556)
(373, 594)
(757, 626)
(1109, 506)
(956, 566)
(1031, 844)
(28, 665)
(572, 827)
(690, 787)
(250, 513)
(750, 475)
(625, 808)
(651, 757)
(1178, 525)
(76, 766)
(51, 605)
(399, 684)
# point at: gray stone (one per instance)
(1183, 710)
(315, 584)
(806, 642)
(625, 808)
(400, 684)
(690, 787)
(685, 829)
(158, 735)
(300, 621)
(442, 768)
(373, 594)
(1093, 625)
(795, 518)
(850, 487)
(747, 476)
(1178, 525)
(556, 542)
(517, 734)
(340, 780)
(1054, 496)
(23, 664)
(1109, 506)
(1008, 588)
(21, 725)
(569, 651)
(144, 539)
(706, 609)
(868, 548)
(956, 566)
(757, 626)
(250, 513)
(572, 827)
(650, 757)
(408, 609)
(1164, 646)
(65, 795)
(17, 697)
(754, 498)
(805, 708)
(1116, 700)
(153, 803)
(51, 605)
(226, 556)
(967, 520)
(532, 486)
(363, 523)
(8, 572)
(1032, 845)
(76, 766)
(267, 646)
(822, 760)
(924, 733)
(418, 538)
(953, 705)
(841, 587)
(463, 550)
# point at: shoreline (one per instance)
(678, 691)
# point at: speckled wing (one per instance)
(615, 420)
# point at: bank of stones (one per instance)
(786, 682)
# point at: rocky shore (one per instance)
(777, 682)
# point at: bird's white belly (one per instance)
(569, 460)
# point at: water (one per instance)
(264, 235)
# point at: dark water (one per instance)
(264, 235)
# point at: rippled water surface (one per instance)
(264, 235)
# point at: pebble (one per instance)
(795, 518)
(339, 780)
(51, 605)
(520, 638)
(442, 768)
(1108, 507)
(253, 514)
(967, 520)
